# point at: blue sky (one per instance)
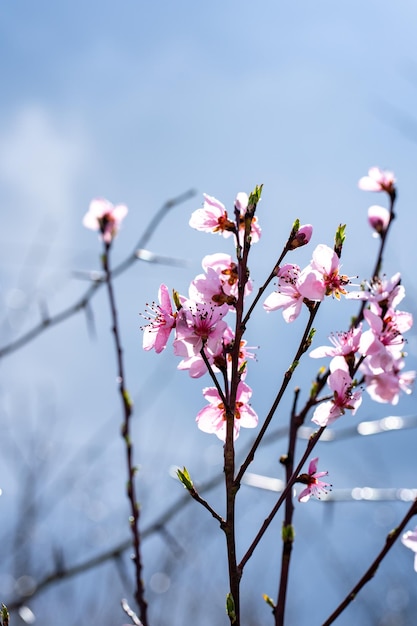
(138, 102)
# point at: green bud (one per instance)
(185, 478)
(254, 198)
(268, 600)
(176, 298)
(127, 398)
(339, 239)
(294, 364)
(313, 389)
(242, 368)
(309, 340)
(288, 533)
(295, 227)
(230, 608)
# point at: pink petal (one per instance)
(312, 468)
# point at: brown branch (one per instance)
(371, 571)
(131, 470)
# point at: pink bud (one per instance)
(301, 237)
(241, 201)
(378, 218)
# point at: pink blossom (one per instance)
(381, 293)
(378, 180)
(301, 237)
(344, 397)
(212, 418)
(207, 288)
(385, 387)
(220, 359)
(163, 320)
(383, 342)
(288, 297)
(315, 487)
(105, 217)
(212, 218)
(241, 202)
(409, 539)
(344, 344)
(198, 325)
(227, 270)
(195, 365)
(379, 218)
(321, 277)
(220, 282)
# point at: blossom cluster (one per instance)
(371, 357)
(202, 338)
(377, 353)
(320, 278)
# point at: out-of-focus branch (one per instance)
(138, 253)
(370, 572)
(253, 480)
(126, 608)
(62, 573)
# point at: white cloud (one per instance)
(40, 161)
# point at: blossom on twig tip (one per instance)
(102, 215)
(378, 180)
(315, 487)
(213, 218)
(301, 237)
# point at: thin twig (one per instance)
(196, 496)
(310, 446)
(131, 470)
(370, 572)
(64, 573)
(287, 534)
(287, 377)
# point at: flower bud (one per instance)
(301, 237)
(378, 218)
